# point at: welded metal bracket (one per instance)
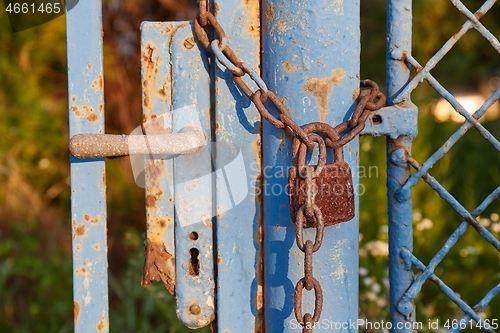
(393, 121)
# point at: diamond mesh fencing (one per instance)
(470, 120)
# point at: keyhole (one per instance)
(194, 262)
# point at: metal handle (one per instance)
(189, 141)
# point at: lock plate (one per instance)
(334, 197)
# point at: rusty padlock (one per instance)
(334, 192)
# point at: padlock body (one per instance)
(335, 193)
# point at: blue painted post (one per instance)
(399, 18)
(311, 53)
(88, 178)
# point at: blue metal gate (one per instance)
(219, 233)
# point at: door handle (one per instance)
(188, 141)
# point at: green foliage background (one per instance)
(35, 235)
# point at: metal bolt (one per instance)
(188, 43)
(195, 309)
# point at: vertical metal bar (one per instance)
(88, 178)
(237, 127)
(311, 60)
(399, 18)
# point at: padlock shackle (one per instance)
(299, 149)
(189, 141)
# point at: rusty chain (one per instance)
(304, 138)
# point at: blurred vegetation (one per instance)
(35, 234)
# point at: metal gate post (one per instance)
(399, 23)
(88, 177)
(311, 53)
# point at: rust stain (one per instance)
(96, 219)
(76, 111)
(80, 230)
(89, 66)
(161, 222)
(86, 217)
(171, 199)
(92, 118)
(321, 89)
(76, 311)
(101, 107)
(81, 270)
(288, 67)
(73, 98)
(158, 266)
(219, 259)
(355, 94)
(148, 57)
(269, 14)
(97, 246)
(74, 221)
(252, 24)
(163, 90)
(150, 69)
(98, 83)
(102, 325)
(278, 227)
(150, 201)
(281, 25)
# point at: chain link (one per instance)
(304, 138)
